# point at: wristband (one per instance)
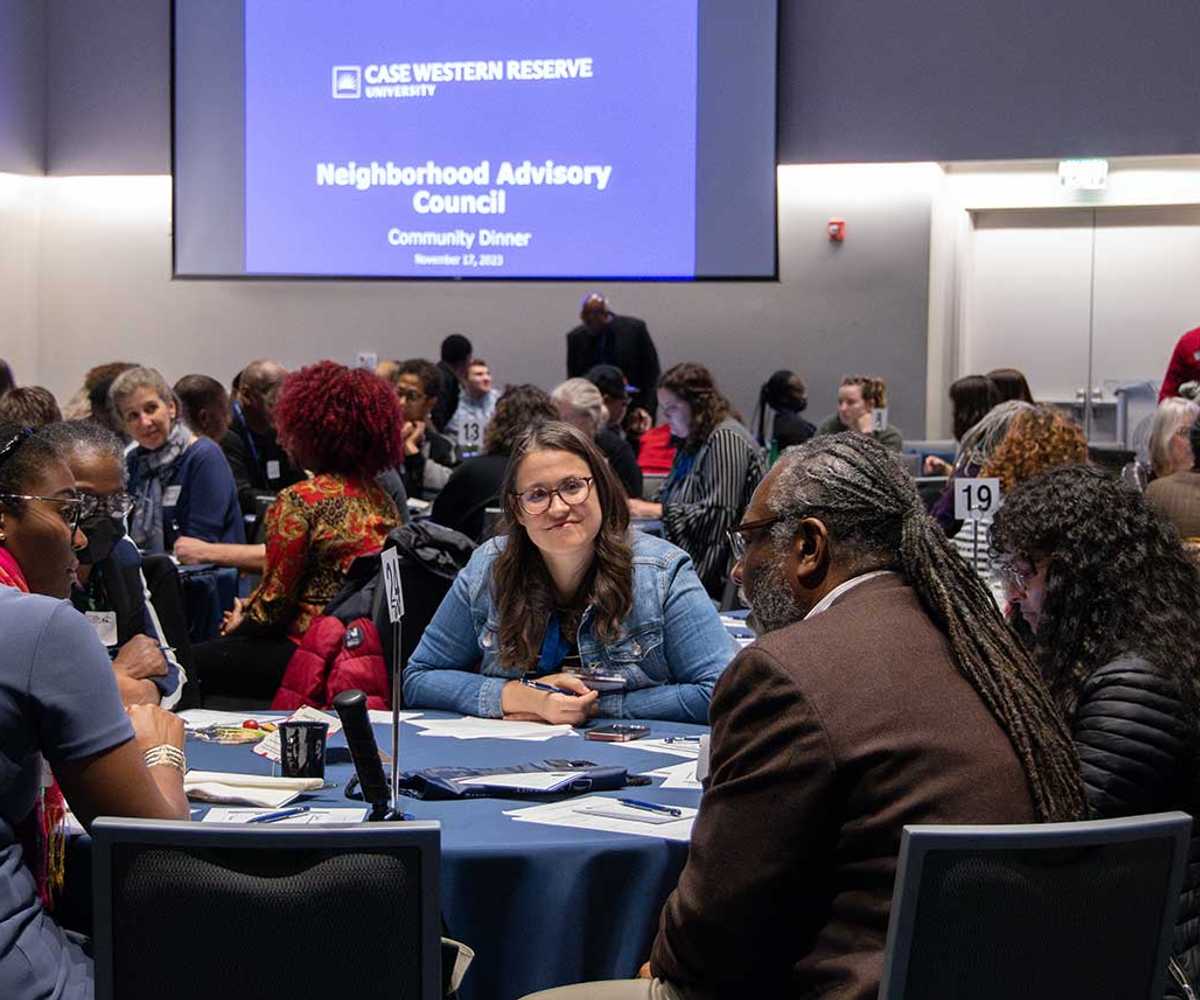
(165, 755)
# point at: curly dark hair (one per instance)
(694, 384)
(426, 371)
(25, 464)
(876, 520)
(521, 586)
(517, 411)
(342, 420)
(1117, 579)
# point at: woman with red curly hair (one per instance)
(343, 424)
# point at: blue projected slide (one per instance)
(534, 139)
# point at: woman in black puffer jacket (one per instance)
(1112, 604)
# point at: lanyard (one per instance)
(554, 647)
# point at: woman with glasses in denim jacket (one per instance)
(570, 614)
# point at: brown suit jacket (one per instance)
(828, 737)
(1177, 498)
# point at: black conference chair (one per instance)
(1038, 911)
(187, 910)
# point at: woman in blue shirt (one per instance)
(616, 620)
(59, 705)
(182, 482)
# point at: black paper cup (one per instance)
(302, 749)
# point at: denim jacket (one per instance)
(671, 651)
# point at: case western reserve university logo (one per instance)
(347, 82)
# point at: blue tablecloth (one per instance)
(542, 906)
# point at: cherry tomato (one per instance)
(250, 724)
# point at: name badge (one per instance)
(105, 624)
(273, 469)
(171, 496)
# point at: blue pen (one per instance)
(279, 814)
(651, 807)
(539, 686)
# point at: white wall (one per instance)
(105, 293)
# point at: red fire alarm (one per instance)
(836, 229)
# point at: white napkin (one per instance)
(246, 789)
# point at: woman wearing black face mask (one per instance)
(112, 590)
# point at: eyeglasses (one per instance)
(70, 509)
(572, 491)
(1013, 576)
(739, 540)
(113, 505)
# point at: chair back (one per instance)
(191, 910)
(1036, 911)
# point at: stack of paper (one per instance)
(598, 812)
(314, 817)
(520, 781)
(246, 789)
(689, 749)
(383, 716)
(678, 776)
(470, 728)
(200, 718)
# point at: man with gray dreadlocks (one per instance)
(884, 689)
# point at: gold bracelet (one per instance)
(165, 755)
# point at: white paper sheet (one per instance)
(383, 716)
(571, 814)
(678, 776)
(198, 718)
(471, 728)
(689, 750)
(314, 817)
(541, 781)
(269, 747)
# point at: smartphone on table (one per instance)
(617, 732)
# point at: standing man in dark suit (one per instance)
(607, 339)
(455, 357)
(884, 689)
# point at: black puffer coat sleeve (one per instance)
(1134, 736)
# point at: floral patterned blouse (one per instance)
(315, 530)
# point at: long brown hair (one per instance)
(694, 384)
(522, 590)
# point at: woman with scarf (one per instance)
(64, 737)
(182, 483)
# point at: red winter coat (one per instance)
(331, 658)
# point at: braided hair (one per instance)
(876, 520)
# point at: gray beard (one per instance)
(774, 605)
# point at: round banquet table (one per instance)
(541, 905)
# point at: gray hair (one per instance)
(981, 439)
(1172, 415)
(72, 437)
(584, 397)
(127, 383)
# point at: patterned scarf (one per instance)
(152, 473)
(42, 835)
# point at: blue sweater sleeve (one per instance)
(208, 506)
(697, 648)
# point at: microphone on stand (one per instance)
(351, 707)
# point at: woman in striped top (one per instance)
(716, 469)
